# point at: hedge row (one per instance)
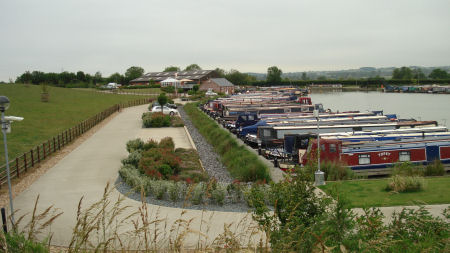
(241, 163)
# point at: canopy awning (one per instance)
(170, 80)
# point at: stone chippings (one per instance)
(210, 159)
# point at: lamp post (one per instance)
(4, 105)
(318, 175)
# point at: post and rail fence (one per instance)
(36, 155)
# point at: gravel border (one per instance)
(127, 191)
(210, 159)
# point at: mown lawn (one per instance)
(66, 108)
(368, 193)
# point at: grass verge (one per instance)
(43, 120)
(242, 164)
(370, 193)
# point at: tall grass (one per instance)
(109, 225)
(242, 164)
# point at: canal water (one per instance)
(420, 106)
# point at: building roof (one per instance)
(222, 82)
(160, 76)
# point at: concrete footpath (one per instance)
(87, 169)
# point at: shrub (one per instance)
(407, 169)
(165, 170)
(235, 191)
(133, 158)
(174, 191)
(159, 188)
(16, 242)
(435, 169)
(400, 183)
(150, 144)
(136, 144)
(336, 171)
(176, 121)
(156, 120)
(131, 176)
(198, 193)
(218, 195)
(168, 89)
(167, 143)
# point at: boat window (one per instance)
(266, 132)
(364, 159)
(322, 147)
(251, 117)
(332, 148)
(404, 156)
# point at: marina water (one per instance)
(406, 105)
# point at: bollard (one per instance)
(319, 178)
(5, 228)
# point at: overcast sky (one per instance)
(248, 35)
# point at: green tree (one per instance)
(239, 78)
(192, 67)
(171, 69)
(438, 74)
(304, 76)
(81, 76)
(115, 78)
(403, 73)
(220, 72)
(162, 100)
(97, 78)
(133, 73)
(418, 74)
(274, 75)
(195, 88)
(24, 78)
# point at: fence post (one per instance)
(17, 163)
(59, 143)
(43, 148)
(38, 155)
(54, 145)
(25, 165)
(66, 137)
(32, 158)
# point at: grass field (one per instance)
(368, 193)
(66, 108)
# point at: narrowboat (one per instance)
(376, 157)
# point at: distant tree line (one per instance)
(403, 75)
(78, 79)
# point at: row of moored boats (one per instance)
(283, 127)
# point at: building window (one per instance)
(266, 132)
(332, 148)
(364, 159)
(404, 156)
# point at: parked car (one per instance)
(173, 106)
(165, 109)
(210, 93)
(112, 86)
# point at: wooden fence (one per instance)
(36, 155)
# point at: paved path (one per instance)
(88, 168)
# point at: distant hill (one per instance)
(363, 72)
